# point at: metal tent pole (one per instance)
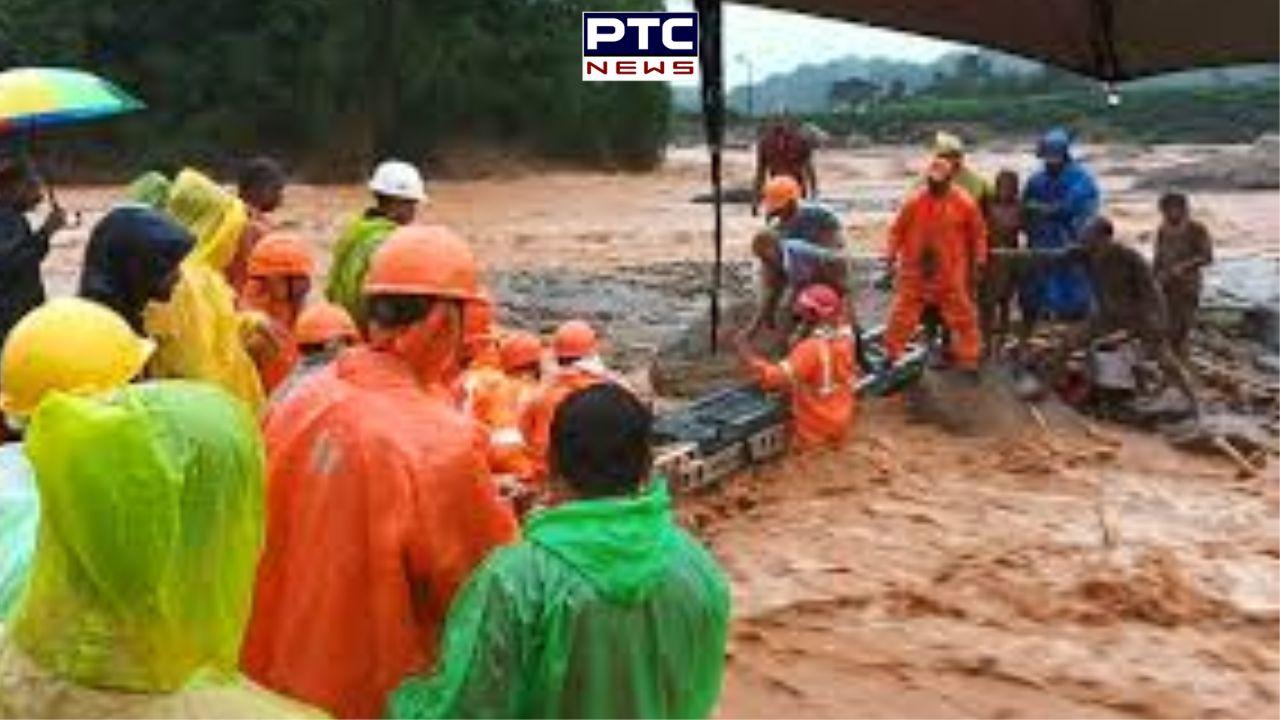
(711, 60)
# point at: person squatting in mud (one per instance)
(1128, 302)
(803, 245)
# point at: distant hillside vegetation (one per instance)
(988, 93)
(808, 88)
(1227, 114)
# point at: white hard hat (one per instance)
(398, 179)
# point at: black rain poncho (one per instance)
(130, 253)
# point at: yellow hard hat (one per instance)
(944, 143)
(69, 345)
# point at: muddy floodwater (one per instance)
(1095, 572)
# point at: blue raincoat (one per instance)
(1058, 207)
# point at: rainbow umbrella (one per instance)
(36, 98)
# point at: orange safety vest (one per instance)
(819, 374)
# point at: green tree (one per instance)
(331, 85)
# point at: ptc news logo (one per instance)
(631, 46)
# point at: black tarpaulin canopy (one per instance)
(1109, 40)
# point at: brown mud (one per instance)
(908, 575)
(1089, 571)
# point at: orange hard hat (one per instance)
(574, 339)
(281, 254)
(427, 260)
(324, 322)
(520, 349)
(780, 191)
(940, 169)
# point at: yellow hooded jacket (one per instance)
(198, 331)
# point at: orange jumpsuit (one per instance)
(496, 401)
(819, 374)
(536, 422)
(276, 356)
(379, 505)
(934, 241)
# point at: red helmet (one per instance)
(818, 302)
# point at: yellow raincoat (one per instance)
(142, 579)
(198, 330)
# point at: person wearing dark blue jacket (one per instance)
(1059, 200)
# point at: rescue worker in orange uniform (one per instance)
(321, 332)
(493, 399)
(324, 327)
(937, 246)
(278, 278)
(578, 365)
(379, 499)
(521, 354)
(819, 372)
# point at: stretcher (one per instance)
(727, 431)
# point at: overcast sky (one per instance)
(778, 41)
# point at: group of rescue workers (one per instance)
(226, 500)
(958, 252)
(229, 502)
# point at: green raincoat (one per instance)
(151, 523)
(605, 609)
(351, 256)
